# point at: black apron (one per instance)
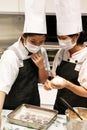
(67, 71)
(25, 88)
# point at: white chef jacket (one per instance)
(80, 58)
(10, 63)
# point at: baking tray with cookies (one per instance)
(32, 116)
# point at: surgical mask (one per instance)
(32, 48)
(66, 44)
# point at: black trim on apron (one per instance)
(67, 71)
(25, 88)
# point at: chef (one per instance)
(25, 63)
(70, 63)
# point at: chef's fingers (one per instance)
(47, 85)
(36, 57)
(54, 86)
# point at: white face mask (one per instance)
(66, 44)
(32, 48)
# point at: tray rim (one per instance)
(29, 124)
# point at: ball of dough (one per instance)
(57, 80)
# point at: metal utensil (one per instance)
(70, 107)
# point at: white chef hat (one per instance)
(35, 19)
(68, 14)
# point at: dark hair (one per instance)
(72, 35)
(25, 35)
(31, 34)
(82, 38)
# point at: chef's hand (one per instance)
(38, 60)
(57, 83)
(47, 85)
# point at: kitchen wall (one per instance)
(11, 27)
(17, 6)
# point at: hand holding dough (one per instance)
(58, 82)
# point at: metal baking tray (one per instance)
(32, 116)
